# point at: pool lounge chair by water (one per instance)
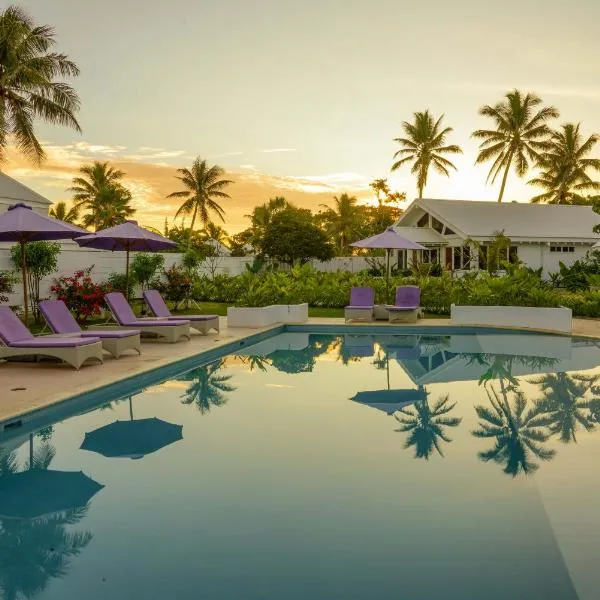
(361, 307)
(61, 321)
(406, 307)
(171, 331)
(19, 341)
(158, 307)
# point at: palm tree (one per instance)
(424, 145)
(29, 88)
(380, 186)
(518, 433)
(521, 135)
(216, 233)
(204, 185)
(342, 221)
(62, 213)
(99, 191)
(207, 387)
(564, 403)
(425, 425)
(564, 168)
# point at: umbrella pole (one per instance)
(31, 450)
(387, 275)
(24, 276)
(130, 409)
(127, 275)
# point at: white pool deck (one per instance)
(25, 387)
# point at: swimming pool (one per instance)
(320, 466)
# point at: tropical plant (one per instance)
(342, 222)
(424, 145)
(520, 137)
(99, 191)
(215, 233)
(518, 433)
(203, 187)
(42, 260)
(62, 213)
(565, 404)
(564, 168)
(83, 297)
(208, 387)
(145, 266)
(177, 283)
(30, 87)
(7, 281)
(381, 189)
(495, 254)
(425, 425)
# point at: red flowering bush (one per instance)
(83, 297)
(177, 284)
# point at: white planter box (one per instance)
(521, 317)
(264, 316)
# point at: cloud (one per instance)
(273, 150)
(225, 154)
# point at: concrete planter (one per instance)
(263, 316)
(525, 317)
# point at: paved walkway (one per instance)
(25, 387)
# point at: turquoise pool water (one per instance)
(314, 466)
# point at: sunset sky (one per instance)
(302, 99)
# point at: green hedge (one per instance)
(520, 287)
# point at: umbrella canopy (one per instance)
(389, 240)
(389, 401)
(21, 224)
(127, 237)
(38, 492)
(132, 439)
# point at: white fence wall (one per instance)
(73, 258)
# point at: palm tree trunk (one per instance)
(189, 244)
(505, 176)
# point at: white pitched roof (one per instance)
(12, 191)
(421, 235)
(520, 221)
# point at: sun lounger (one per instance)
(362, 301)
(159, 308)
(169, 330)
(61, 321)
(406, 308)
(19, 341)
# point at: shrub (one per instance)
(83, 297)
(7, 281)
(177, 284)
(144, 268)
(117, 282)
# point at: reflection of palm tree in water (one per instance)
(519, 432)
(425, 425)
(565, 404)
(256, 362)
(303, 361)
(207, 387)
(33, 551)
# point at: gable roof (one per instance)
(12, 191)
(518, 220)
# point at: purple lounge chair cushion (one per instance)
(124, 316)
(361, 297)
(47, 341)
(58, 317)
(407, 298)
(160, 309)
(11, 328)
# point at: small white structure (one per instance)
(12, 192)
(263, 316)
(542, 235)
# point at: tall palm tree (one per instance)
(565, 404)
(216, 233)
(62, 213)
(380, 186)
(342, 221)
(204, 186)
(520, 136)
(29, 84)
(518, 433)
(99, 191)
(208, 387)
(424, 145)
(425, 425)
(564, 168)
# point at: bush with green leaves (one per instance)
(118, 283)
(7, 281)
(144, 268)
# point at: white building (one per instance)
(542, 235)
(13, 192)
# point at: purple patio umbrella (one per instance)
(126, 237)
(21, 224)
(389, 240)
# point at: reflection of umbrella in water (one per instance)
(40, 491)
(389, 401)
(133, 438)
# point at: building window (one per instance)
(510, 255)
(563, 249)
(448, 231)
(437, 225)
(461, 258)
(423, 221)
(430, 256)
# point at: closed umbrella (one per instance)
(127, 237)
(21, 224)
(389, 240)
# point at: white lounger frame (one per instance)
(359, 314)
(116, 346)
(169, 333)
(204, 325)
(74, 356)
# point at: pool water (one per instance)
(314, 466)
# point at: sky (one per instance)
(302, 98)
